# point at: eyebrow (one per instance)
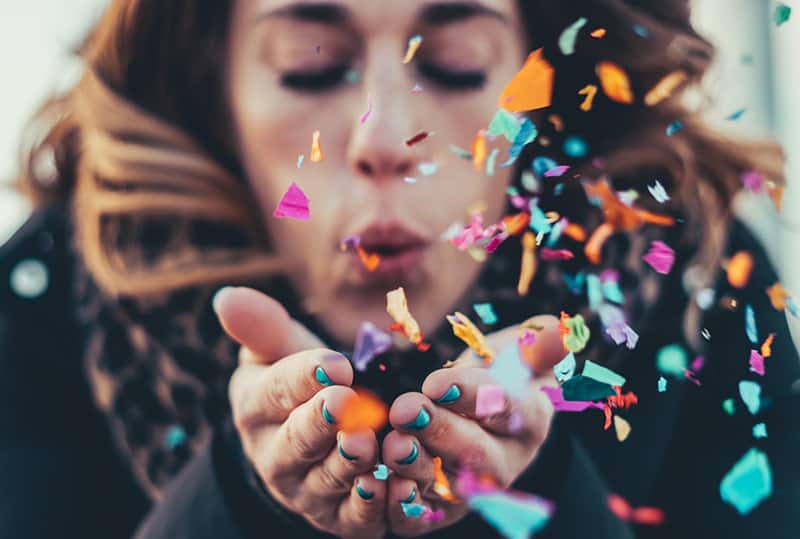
(435, 14)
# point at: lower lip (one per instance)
(394, 268)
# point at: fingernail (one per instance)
(217, 296)
(322, 377)
(422, 420)
(363, 493)
(411, 496)
(343, 453)
(452, 395)
(327, 415)
(411, 456)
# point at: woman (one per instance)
(156, 179)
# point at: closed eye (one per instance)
(452, 80)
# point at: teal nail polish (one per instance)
(322, 377)
(452, 395)
(327, 415)
(422, 420)
(343, 453)
(411, 496)
(363, 493)
(411, 456)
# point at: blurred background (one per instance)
(757, 70)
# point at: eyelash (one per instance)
(327, 79)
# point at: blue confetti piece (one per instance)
(674, 127)
(486, 313)
(539, 222)
(641, 31)
(574, 282)
(175, 437)
(748, 483)
(541, 165)
(382, 473)
(576, 147)
(558, 190)
(750, 324)
(751, 395)
(527, 134)
(413, 510)
(736, 115)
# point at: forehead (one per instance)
(382, 15)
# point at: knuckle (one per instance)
(299, 439)
(331, 481)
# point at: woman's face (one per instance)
(296, 67)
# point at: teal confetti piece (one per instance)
(612, 292)
(566, 41)
(751, 395)
(506, 124)
(782, 14)
(672, 360)
(594, 291)
(674, 127)
(729, 406)
(512, 516)
(576, 147)
(662, 384)
(539, 222)
(641, 31)
(736, 115)
(760, 430)
(750, 324)
(486, 313)
(175, 437)
(490, 161)
(381, 473)
(748, 483)
(461, 152)
(413, 510)
(300, 159)
(581, 388)
(565, 369)
(602, 374)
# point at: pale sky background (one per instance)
(36, 37)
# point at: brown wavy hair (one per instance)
(142, 154)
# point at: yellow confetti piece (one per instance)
(316, 148)
(739, 269)
(531, 88)
(413, 45)
(397, 307)
(528, 265)
(778, 296)
(766, 348)
(622, 427)
(479, 150)
(590, 91)
(464, 329)
(441, 485)
(615, 82)
(664, 88)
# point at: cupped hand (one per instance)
(441, 421)
(285, 396)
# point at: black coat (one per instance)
(62, 478)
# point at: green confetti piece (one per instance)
(729, 405)
(506, 124)
(581, 388)
(671, 360)
(782, 14)
(579, 334)
(602, 374)
(566, 42)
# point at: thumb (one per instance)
(548, 349)
(261, 324)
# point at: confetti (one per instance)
(759, 431)
(623, 333)
(671, 360)
(491, 400)
(486, 313)
(753, 181)
(735, 115)
(556, 396)
(740, 266)
(441, 485)
(590, 91)
(531, 88)
(414, 44)
(664, 88)
(528, 264)
(575, 147)
(370, 342)
(750, 324)
(641, 31)
(416, 139)
(300, 159)
(417, 89)
(294, 204)
(413, 510)
(595, 244)
(365, 116)
(729, 406)
(766, 347)
(510, 371)
(464, 329)
(615, 82)
(660, 257)
(622, 428)
(542, 165)
(490, 162)
(363, 411)
(514, 516)
(648, 516)
(581, 388)
(506, 124)
(601, 374)
(527, 134)
(748, 482)
(662, 384)
(778, 296)
(757, 363)
(674, 127)
(556, 171)
(316, 148)
(565, 369)
(658, 192)
(598, 33)
(428, 168)
(369, 260)
(566, 42)
(479, 149)
(782, 14)
(555, 254)
(575, 333)
(751, 395)
(397, 307)
(381, 473)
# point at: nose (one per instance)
(377, 149)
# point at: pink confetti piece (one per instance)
(556, 396)
(293, 205)
(753, 181)
(556, 171)
(660, 257)
(369, 109)
(555, 254)
(491, 400)
(757, 363)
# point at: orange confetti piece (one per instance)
(370, 260)
(464, 329)
(441, 485)
(650, 516)
(397, 307)
(622, 428)
(531, 88)
(528, 265)
(778, 296)
(615, 82)
(594, 247)
(363, 411)
(413, 45)
(479, 150)
(316, 148)
(557, 122)
(739, 269)
(766, 348)
(617, 214)
(655, 218)
(590, 91)
(664, 88)
(599, 33)
(516, 223)
(576, 232)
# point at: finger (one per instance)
(458, 440)
(307, 436)
(406, 455)
(261, 324)
(268, 394)
(404, 491)
(355, 453)
(361, 514)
